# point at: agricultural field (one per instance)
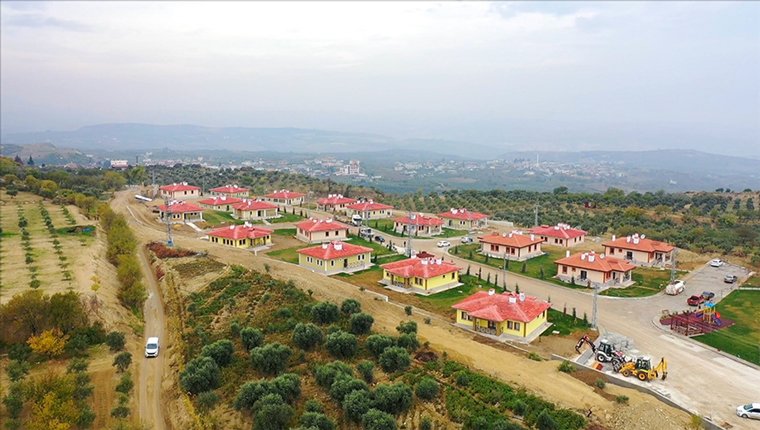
(743, 338)
(43, 245)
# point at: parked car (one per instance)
(675, 288)
(717, 262)
(707, 295)
(695, 300)
(443, 243)
(730, 279)
(365, 232)
(151, 347)
(751, 410)
(379, 239)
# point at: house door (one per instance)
(629, 255)
(584, 274)
(345, 263)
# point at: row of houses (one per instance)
(184, 191)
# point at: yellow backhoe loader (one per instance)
(642, 369)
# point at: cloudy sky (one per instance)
(559, 75)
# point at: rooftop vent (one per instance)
(522, 297)
(491, 292)
(512, 300)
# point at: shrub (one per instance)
(201, 374)
(408, 310)
(120, 411)
(341, 344)
(406, 327)
(250, 392)
(125, 384)
(361, 323)
(316, 420)
(115, 341)
(566, 367)
(623, 400)
(535, 357)
(393, 398)
(427, 388)
(221, 351)
(271, 358)
(272, 413)
(462, 378)
(426, 423)
(307, 336)
(545, 421)
(251, 337)
(326, 374)
(377, 343)
(234, 329)
(356, 404)
(426, 320)
(122, 361)
(207, 400)
(350, 306)
(600, 383)
(313, 405)
(288, 386)
(345, 384)
(17, 370)
(366, 370)
(394, 358)
(408, 341)
(503, 424)
(378, 420)
(325, 313)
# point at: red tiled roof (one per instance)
(463, 214)
(220, 200)
(285, 194)
(498, 307)
(561, 231)
(420, 268)
(180, 207)
(368, 206)
(238, 232)
(329, 251)
(253, 205)
(336, 199)
(638, 243)
(313, 225)
(514, 240)
(229, 189)
(596, 262)
(419, 219)
(178, 187)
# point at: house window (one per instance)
(491, 324)
(418, 281)
(564, 269)
(332, 262)
(517, 326)
(466, 316)
(452, 275)
(509, 325)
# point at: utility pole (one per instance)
(535, 216)
(594, 308)
(412, 219)
(168, 214)
(673, 266)
(504, 268)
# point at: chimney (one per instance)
(613, 237)
(325, 245)
(532, 237)
(232, 227)
(512, 300)
(567, 253)
(591, 258)
(338, 246)
(643, 236)
(522, 297)
(424, 262)
(491, 292)
(601, 256)
(583, 256)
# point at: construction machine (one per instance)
(642, 369)
(581, 341)
(604, 353)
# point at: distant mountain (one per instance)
(45, 153)
(105, 137)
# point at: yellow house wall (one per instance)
(328, 266)
(429, 283)
(525, 329)
(322, 236)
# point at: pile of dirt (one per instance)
(163, 251)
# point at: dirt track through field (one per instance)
(539, 377)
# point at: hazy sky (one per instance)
(558, 74)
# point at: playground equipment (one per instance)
(642, 369)
(691, 323)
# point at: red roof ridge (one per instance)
(334, 249)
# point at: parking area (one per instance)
(706, 278)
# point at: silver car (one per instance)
(751, 410)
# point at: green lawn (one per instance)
(743, 338)
(649, 281)
(285, 232)
(288, 254)
(442, 302)
(565, 323)
(450, 232)
(377, 248)
(286, 217)
(217, 218)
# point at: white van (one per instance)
(356, 219)
(151, 347)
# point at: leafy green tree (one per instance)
(342, 344)
(251, 337)
(115, 341)
(394, 359)
(427, 388)
(317, 421)
(378, 420)
(122, 361)
(221, 351)
(271, 358)
(377, 343)
(325, 313)
(272, 413)
(350, 306)
(408, 341)
(366, 370)
(250, 392)
(288, 386)
(356, 404)
(345, 384)
(361, 323)
(545, 421)
(307, 336)
(200, 374)
(327, 373)
(207, 400)
(407, 327)
(393, 398)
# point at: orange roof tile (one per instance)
(220, 200)
(336, 199)
(419, 219)
(420, 268)
(514, 240)
(313, 225)
(463, 214)
(253, 205)
(502, 307)
(179, 187)
(332, 250)
(237, 232)
(596, 262)
(561, 231)
(229, 189)
(285, 194)
(180, 207)
(639, 243)
(368, 206)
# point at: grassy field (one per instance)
(649, 281)
(285, 232)
(286, 217)
(566, 324)
(217, 218)
(450, 232)
(743, 338)
(386, 226)
(377, 248)
(288, 254)
(442, 302)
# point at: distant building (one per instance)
(334, 202)
(589, 268)
(335, 257)
(351, 169)
(421, 275)
(179, 191)
(285, 197)
(318, 230)
(220, 203)
(462, 219)
(559, 235)
(418, 224)
(119, 164)
(254, 210)
(513, 246)
(229, 191)
(370, 210)
(241, 236)
(505, 314)
(639, 250)
(180, 212)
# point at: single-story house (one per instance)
(180, 212)
(370, 210)
(179, 191)
(513, 314)
(513, 246)
(334, 202)
(419, 224)
(321, 230)
(639, 250)
(241, 236)
(229, 191)
(559, 235)
(254, 210)
(421, 275)
(285, 197)
(335, 257)
(462, 219)
(219, 203)
(597, 270)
